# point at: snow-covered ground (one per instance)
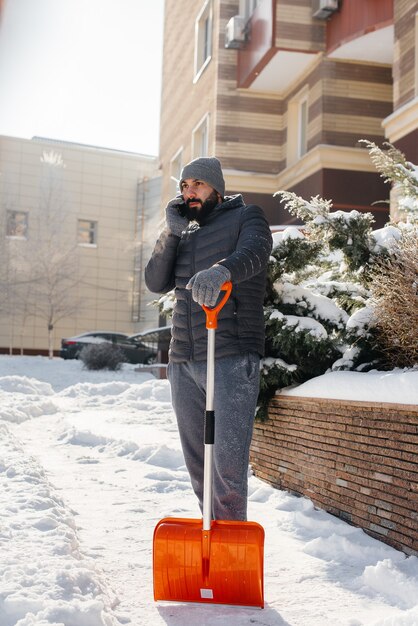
(90, 461)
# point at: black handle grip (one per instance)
(210, 427)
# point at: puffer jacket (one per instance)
(236, 236)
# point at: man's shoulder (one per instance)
(236, 202)
(234, 208)
(252, 211)
(233, 202)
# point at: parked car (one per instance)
(151, 345)
(147, 347)
(71, 347)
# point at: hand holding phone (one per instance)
(175, 216)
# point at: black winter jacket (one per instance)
(236, 236)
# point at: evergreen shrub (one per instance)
(341, 296)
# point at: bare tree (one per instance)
(52, 259)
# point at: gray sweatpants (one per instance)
(236, 391)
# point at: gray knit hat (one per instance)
(207, 169)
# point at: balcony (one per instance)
(362, 32)
(283, 41)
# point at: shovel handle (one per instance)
(212, 313)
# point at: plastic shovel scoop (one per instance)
(210, 561)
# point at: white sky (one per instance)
(87, 71)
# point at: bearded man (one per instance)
(208, 239)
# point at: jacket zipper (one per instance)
(189, 309)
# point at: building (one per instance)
(283, 90)
(78, 224)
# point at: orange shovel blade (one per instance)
(220, 566)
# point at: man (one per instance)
(209, 239)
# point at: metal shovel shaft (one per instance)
(209, 431)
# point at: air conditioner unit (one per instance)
(323, 9)
(235, 33)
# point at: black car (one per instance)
(71, 347)
(150, 346)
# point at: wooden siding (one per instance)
(404, 87)
(409, 146)
(348, 190)
(351, 102)
(347, 102)
(183, 101)
(249, 132)
(296, 29)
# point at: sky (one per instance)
(90, 461)
(87, 71)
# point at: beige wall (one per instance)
(99, 185)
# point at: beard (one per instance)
(200, 212)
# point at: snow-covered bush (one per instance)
(316, 280)
(394, 168)
(165, 304)
(340, 295)
(102, 356)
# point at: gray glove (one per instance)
(206, 285)
(176, 223)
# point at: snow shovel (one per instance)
(209, 561)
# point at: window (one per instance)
(176, 166)
(200, 138)
(303, 127)
(297, 127)
(87, 233)
(203, 39)
(17, 224)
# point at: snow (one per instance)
(290, 232)
(386, 237)
(90, 461)
(394, 386)
(321, 306)
(270, 362)
(300, 324)
(361, 318)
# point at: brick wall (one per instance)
(356, 460)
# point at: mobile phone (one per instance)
(181, 207)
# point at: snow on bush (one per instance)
(102, 356)
(359, 285)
